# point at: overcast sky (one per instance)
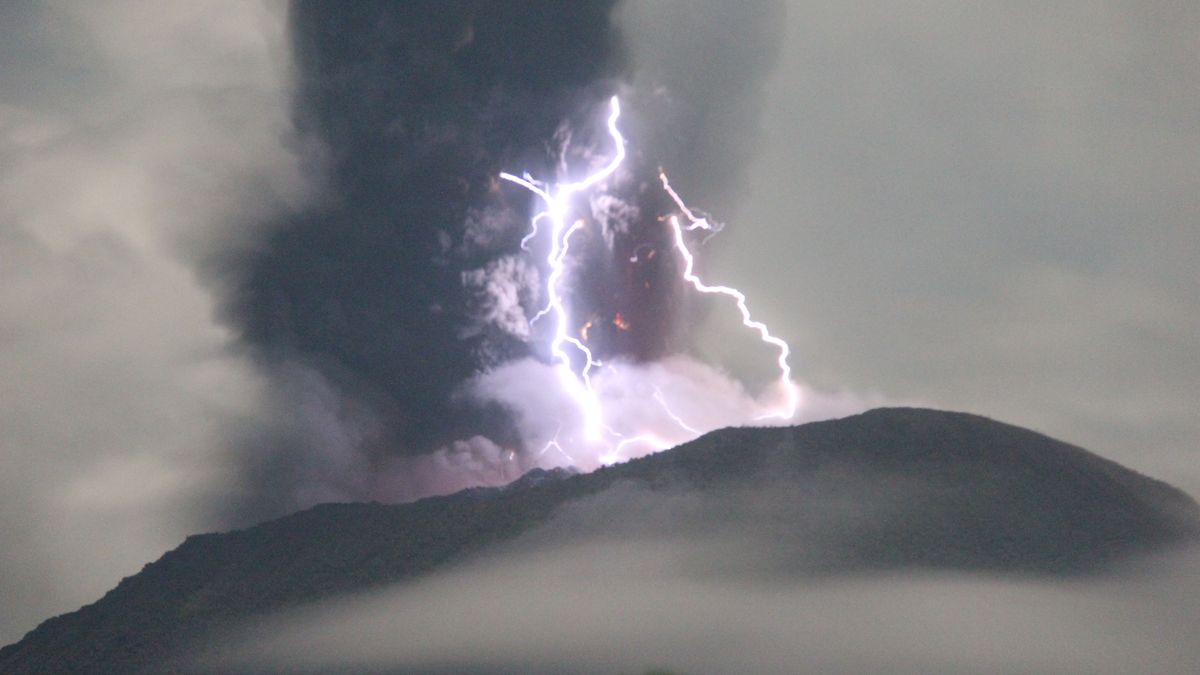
(990, 208)
(129, 133)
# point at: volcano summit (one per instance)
(887, 491)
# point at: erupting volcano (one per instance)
(577, 347)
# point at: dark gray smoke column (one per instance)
(385, 291)
(418, 106)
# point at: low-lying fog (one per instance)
(579, 595)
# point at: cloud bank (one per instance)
(604, 588)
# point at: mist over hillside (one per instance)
(733, 515)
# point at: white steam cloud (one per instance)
(501, 293)
(668, 402)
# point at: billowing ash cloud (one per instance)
(396, 314)
(257, 257)
(415, 108)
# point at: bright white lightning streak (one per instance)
(558, 199)
(792, 394)
(649, 439)
(558, 202)
(533, 231)
(553, 443)
(694, 222)
(658, 396)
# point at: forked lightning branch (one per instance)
(574, 363)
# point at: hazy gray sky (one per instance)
(992, 208)
(989, 208)
(131, 133)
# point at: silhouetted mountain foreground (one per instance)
(887, 489)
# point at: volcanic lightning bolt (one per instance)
(791, 393)
(558, 205)
(576, 382)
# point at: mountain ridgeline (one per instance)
(890, 489)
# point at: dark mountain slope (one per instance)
(891, 488)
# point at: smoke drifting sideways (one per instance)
(396, 316)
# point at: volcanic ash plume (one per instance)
(498, 274)
(591, 429)
(588, 397)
